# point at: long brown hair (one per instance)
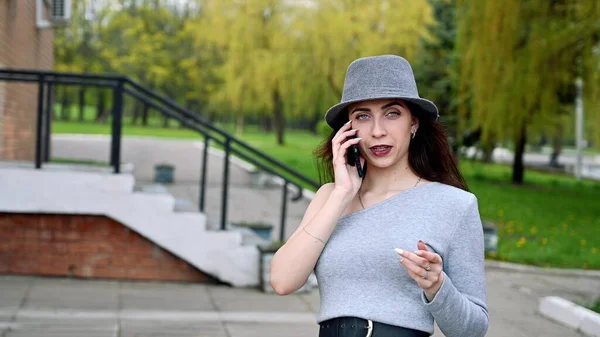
(429, 153)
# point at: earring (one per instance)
(414, 133)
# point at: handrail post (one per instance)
(117, 116)
(48, 120)
(203, 174)
(225, 184)
(40, 124)
(283, 211)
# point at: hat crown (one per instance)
(379, 77)
(388, 75)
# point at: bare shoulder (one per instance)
(325, 190)
(315, 205)
(322, 194)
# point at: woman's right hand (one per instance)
(346, 176)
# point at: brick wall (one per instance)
(85, 246)
(22, 45)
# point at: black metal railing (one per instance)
(121, 86)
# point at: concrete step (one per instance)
(52, 180)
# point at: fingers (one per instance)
(344, 132)
(337, 142)
(429, 256)
(420, 262)
(420, 267)
(424, 267)
(424, 283)
(340, 159)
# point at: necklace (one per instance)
(363, 206)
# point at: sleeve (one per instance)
(459, 308)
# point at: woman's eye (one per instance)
(394, 113)
(362, 116)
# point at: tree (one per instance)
(251, 39)
(518, 58)
(336, 32)
(436, 66)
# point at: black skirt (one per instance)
(358, 327)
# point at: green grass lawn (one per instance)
(551, 221)
(596, 307)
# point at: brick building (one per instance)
(49, 242)
(22, 45)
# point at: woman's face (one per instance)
(385, 128)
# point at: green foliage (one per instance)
(323, 129)
(232, 60)
(498, 65)
(519, 61)
(257, 224)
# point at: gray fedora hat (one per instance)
(379, 77)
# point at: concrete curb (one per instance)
(571, 315)
(492, 264)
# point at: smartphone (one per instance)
(353, 158)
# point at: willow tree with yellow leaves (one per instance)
(335, 32)
(519, 63)
(252, 40)
(289, 58)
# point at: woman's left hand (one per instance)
(425, 267)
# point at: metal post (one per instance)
(48, 122)
(283, 211)
(225, 185)
(203, 174)
(579, 127)
(40, 124)
(117, 115)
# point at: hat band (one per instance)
(376, 92)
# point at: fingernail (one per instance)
(358, 138)
(399, 251)
(401, 259)
(418, 252)
(348, 122)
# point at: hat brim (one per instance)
(334, 119)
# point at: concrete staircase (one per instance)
(168, 215)
(59, 190)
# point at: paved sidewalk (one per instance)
(32, 306)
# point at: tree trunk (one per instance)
(278, 117)
(81, 104)
(165, 123)
(518, 165)
(267, 123)
(145, 115)
(488, 150)
(557, 144)
(137, 111)
(314, 123)
(64, 105)
(100, 105)
(239, 124)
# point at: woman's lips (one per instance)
(381, 150)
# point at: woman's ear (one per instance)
(414, 122)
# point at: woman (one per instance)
(402, 245)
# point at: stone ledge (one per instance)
(492, 264)
(570, 315)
